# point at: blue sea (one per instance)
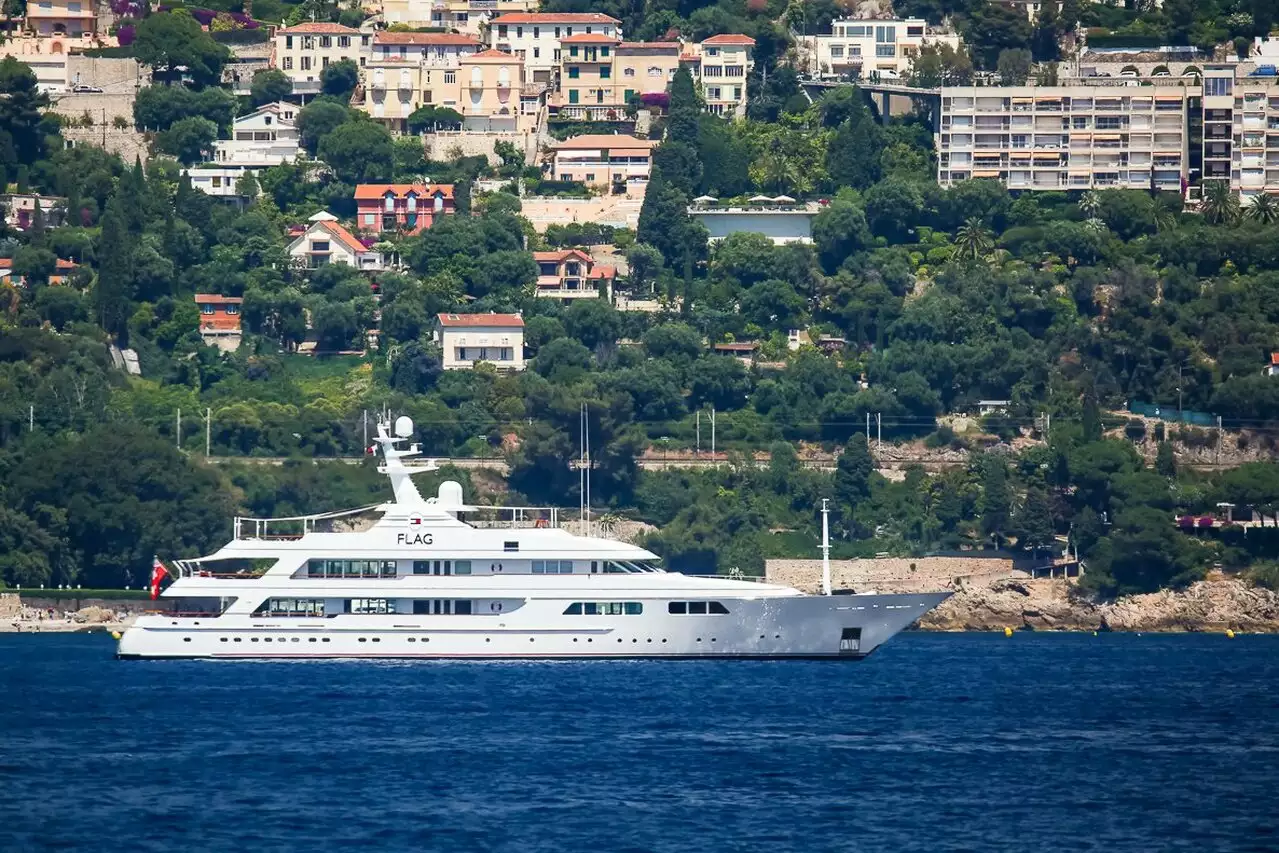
(936, 742)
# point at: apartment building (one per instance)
(721, 64)
(407, 208)
(535, 37)
(858, 48)
(615, 162)
(47, 56)
(78, 18)
(264, 137)
(486, 88)
(1067, 137)
(303, 51)
(598, 76)
(406, 71)
(464, 16)
(1241, 131)
(468, 339)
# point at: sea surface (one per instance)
(936, 742)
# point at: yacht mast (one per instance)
(825, 547)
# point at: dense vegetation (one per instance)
(1068, 306)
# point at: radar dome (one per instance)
(450, 493)
(403, 426)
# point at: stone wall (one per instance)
(114, 76)
(443, 146)
(892, 574)
(129, 144)
(127, 605)
(10, 605)
(102, 108)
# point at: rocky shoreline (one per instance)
(1054, 605)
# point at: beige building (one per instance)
(720, 64)
(408, 70)
(464, 16)
(302, 52)
(62, 17)
(615, 162)
(598, 75)
(861, 48)
(535, 37)
(468, 339)
(1067, 137)
(48, 57)
(1241, 131)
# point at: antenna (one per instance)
(825, 547)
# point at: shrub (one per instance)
(1135, 429)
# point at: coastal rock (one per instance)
(1055, 605)
(93, 615)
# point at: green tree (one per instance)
(1264, 209)
(1014, 66)
(973, 241)
(113, 289)
(20, 113)
(996, 501)
(317, 120)
(1034, 522)
(430, 117)
(840, 230)
(684, 109)
(269, 85)
(189, 139)
(358, 152)
(173, 44)
(644, 262)
(852, 472)
(1165, 460)
(339, 79)
(1219, 205)
(594, 322)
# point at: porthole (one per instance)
(363, 640)
(650, 639)
(663, 639)
(496, 607)
(266, 639)
(761, 636)
(412, 639)
(377, 639)
(619, 639)
(310, 639)
(254, 639)
(296, 640)
(575, 639)
(324, 639)
(237, 639)
(224, 639)
(530, 639)
(426, 639)
(590, 639)
(699, 639)
(712, 639)
(777, 636)
(186, 639)
(634, 640)
(488, 639)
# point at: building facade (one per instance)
(303, 51)
(534, 37)
(406, 71)
(47, 56)
(469, 339)
(325, 242)
(1067, 137)
(464, 16)
(599, 76)
(858, 48)
(721, 64)
(617, 163)
(264, 137)
(402, 208)
(571, 274)
(218, 181)
(62, 17)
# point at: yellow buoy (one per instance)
(115, 635)
(1230, 633)
(1008, 632)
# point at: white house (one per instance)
(468, 339)
(859, 47)
(217, 181)
(265, 137)
(534, 37)
(327, 242)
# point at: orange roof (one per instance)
(589, 38)
(216, 299)
(1274, 358)
(603, 140)
(319, 29)
(481, 321)
(560, 255)
(740, 346)
(649, 45)
(365, 192)
(491, 55)
(343, 236)
(425, 39)
(603, 271)
(730, 38)
(554, 18)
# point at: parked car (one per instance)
(81, 89)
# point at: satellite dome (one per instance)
(403, 426)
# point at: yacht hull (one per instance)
(845, 627)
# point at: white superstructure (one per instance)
(426, 582)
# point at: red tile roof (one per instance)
(490, 55)
(729, 38)
(216, 299)
(343, 236)
(425, 39)
(1274, 358)
(327, 29)
(603, 271)
(589, 38)
(365, 192)
(650, 45)
(555, 18)
(481, 321)
(560, 255)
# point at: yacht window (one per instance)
(369, 605)
(388, 568)
(421, 567)
(696, 607)
(595, 567)
(462, 607)
(510, 546)
(462, 567)
(679, 607)
(716, 607)
(574, 609)
(633, 608)
(552, 567)
(291, 607)
(604, 608)
(442, 607)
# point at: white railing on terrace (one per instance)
(294, 527)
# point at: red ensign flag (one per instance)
(158, 573)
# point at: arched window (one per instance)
(477, 77)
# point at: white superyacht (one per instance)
(431, 579)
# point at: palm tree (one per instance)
(1095, 224)
(1090, 204)
(1163, 218)
(1264, 209)
(779, 171)
(973, 239)
(1220, 206)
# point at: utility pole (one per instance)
(208, 430)
(698, 450)
(31, 418)
(1216, 459)
(868, 427)
(365, 447)
(712, 432)
(879, 432)
(177, 429)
